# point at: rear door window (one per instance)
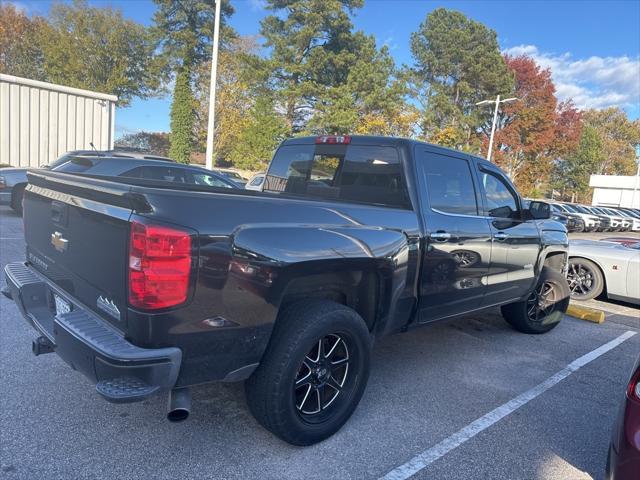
(449, 185)
(355, 173)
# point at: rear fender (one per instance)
(325, 259)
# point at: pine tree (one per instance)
(260, 138)
(182, 119)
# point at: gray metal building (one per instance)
(40, 121)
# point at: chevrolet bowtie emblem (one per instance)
(59, 242)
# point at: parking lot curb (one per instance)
(585, 313)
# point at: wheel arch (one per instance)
(358, 287)
(556, 260)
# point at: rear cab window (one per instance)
(76, 164)
(370, 174)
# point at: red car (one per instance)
(623, 462)
(626, 241)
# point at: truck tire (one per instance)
(313, 373)
(16, 198)
(544, 308)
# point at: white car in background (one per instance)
(255, 183)
(630, 215)
(597, 267)
(591, 222)
(617, 222)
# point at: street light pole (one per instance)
(635, 184)
(493, 128)
(212, 88)
(497, 101)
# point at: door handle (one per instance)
(501, 236)
(440, 236)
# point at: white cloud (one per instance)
(21, 7)
(594, 82)
(257, 5)
(390, 43)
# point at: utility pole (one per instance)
(212, 89)
(635, 184)
(497, 101)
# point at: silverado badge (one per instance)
(59, 242)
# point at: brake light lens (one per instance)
(3, 182)
(633, 391)
(334, 139)
(159, 266)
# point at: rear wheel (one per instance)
(545, 306)
(17, 196)
(313, 373)
(585, 279)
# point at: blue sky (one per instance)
(592, 47)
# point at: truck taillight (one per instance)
(159, 266)
(3, 182)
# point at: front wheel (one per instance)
(545, 306)
(313, 373)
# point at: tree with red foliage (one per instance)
(532, 131)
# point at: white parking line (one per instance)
(11, 238)
(429, 456)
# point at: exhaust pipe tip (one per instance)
(177, 415)
(179, 405)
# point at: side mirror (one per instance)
(539, 210)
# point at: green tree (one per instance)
(238, 86)
(329, 78)
(97, 49)
(372, 98)
(182, 119)
(620, 138)
(156, 143)
(457, 62)
(312, 48)
(20, 51)
(574, 171)
(259, 139)
(184, 29)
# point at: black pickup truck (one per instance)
(148, 287)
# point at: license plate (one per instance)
(62, 306)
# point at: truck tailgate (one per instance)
(77, 235)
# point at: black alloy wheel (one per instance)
(545, 306)
(313, 373)
(322, 376)
(542, 301)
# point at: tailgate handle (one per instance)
(59, 213)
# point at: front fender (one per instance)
(554, 241)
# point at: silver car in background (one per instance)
(599, 267)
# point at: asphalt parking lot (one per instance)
(425, 388)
